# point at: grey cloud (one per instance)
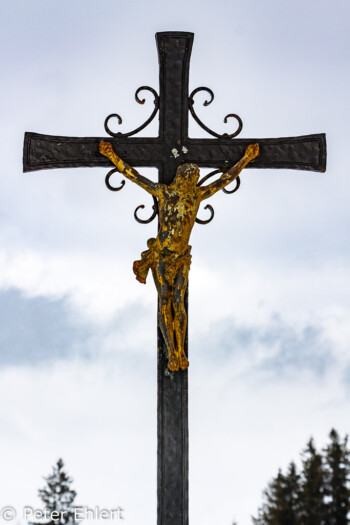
(41, 330)
(33, 330)
(307, 350)
(287, 350)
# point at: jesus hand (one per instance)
(105, 148)
(252, 151)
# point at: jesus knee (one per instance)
(178, 302)
(164, 300)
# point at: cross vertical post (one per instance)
(174, 52)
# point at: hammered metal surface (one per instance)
(299, 153)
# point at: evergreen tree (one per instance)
(58, 496)
(337, 477)
(319, 496)
(281, 505)
(312, 487)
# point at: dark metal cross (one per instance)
(165, 152)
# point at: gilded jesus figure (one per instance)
(169, 254)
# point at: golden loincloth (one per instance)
(173, 261)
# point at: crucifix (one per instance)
(172, 152)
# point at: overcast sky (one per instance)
(269, 284)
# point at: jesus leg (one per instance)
(180, 317)
(166, 321)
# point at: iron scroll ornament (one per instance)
(129, 134)
(208, 206)
(153, 216)
(207, 103)
(217, 135)
(108, 176)
(148, 121)
(139, 101)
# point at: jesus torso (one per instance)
(178, 207)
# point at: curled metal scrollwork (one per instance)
(142, 206)
(212, 173)
(208, 206)
(204, 179)
(211, 209)
(108, 176)
(206, 103)
(238, 183)
(154, 214)
(139, 101)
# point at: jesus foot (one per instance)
(184, 364)
(173, 363)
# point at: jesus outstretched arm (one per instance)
(130, 173)
(251, 152)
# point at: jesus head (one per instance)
(187, 175)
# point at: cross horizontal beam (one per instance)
(306, 152)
